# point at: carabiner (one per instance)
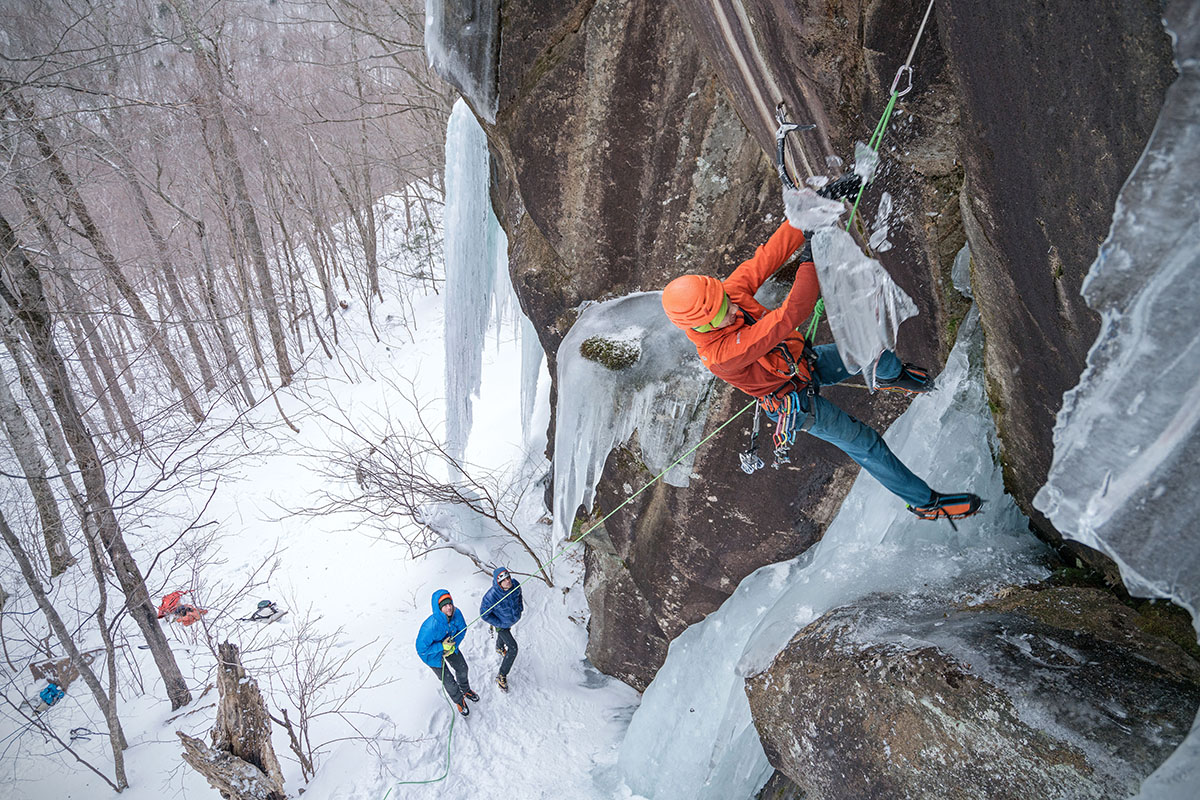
(905, 69)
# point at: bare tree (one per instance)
(33, 466)
(319, 683)
(103, 700)
(409, 472)
(26, 299)
(213, 112)
(104, 251)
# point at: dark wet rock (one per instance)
(1057, 107)
(620, 163)
(629, 147)
(1048, 692)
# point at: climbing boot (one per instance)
(468, 694)
(461, 705)
(502, 682)
(911, 380)
(501, 649)
(949, 507)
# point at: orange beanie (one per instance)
(693, 300)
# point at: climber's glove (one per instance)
(846, 186)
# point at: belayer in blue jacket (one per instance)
(501, 608)
(438, 643)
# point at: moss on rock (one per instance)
(611, 353)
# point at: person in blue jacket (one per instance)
(438, 644)
(501, 608)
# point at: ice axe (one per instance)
(781, 133)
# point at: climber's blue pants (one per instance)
(829, 423)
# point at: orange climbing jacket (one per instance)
(762, 357)
(170, 602)
(174, 610)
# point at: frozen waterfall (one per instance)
(1127, 441)
(623, 367)
(479, 292)
(873, 545)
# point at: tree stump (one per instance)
(241, 762)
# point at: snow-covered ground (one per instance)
(559, 719)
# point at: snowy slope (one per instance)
(560, 717)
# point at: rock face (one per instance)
(1044, 157)
(1053, 693)
(620, 164)
(630, 146)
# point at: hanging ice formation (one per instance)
(873, 545)
(643, 375)
(462, 45)
(1127, 440)
(864, 305)
(478, 288)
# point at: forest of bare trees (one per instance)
(188, 200)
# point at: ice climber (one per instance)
(441, 635)
(761, 352)
(501, 608)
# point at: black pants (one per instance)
(453, 673)
(504, 638)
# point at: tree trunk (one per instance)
(41, 409)
(213, 108)
(212, 300)
(25, 447)
(241, 764)
(116, 735)
(27, 300)
(108, 392)
(181, 310)
(107, 258)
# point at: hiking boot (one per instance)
(949, 506)
(474, 698)
(911, 380)
(502, 682)
(501, 649)
(461, 705)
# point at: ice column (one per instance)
(873, 545)
(658, 388)
(1127, 440)
(478, 288)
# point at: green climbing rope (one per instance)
(875, 142)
